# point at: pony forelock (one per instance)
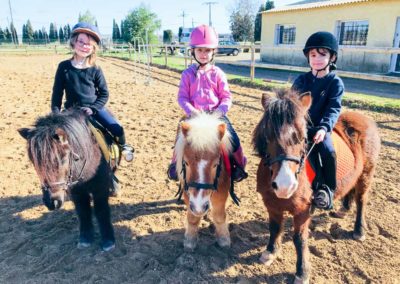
(203, 135)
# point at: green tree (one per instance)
(167, 36)
(88, 18)
(61, 35)
(139, 23)
(116, 35)
(53, 36)
(67, 32)
(29, 32)
(242, 20)
(180, 33)
(258, 22)
(7, 35)
(2, 36)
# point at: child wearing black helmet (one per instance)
(326, 89)
(84, 84)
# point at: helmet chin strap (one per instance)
(202, 64)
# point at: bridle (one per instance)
(298, 160)
(213, 186)
(69, 182)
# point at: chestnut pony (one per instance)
(69, 162)
(280, 140)
(201, 148)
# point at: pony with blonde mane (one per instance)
(202, 148)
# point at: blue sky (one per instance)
(42, 12)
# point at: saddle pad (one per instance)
(344, 157)
(110, 152)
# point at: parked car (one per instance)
(228, 48)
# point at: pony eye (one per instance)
(185, 163)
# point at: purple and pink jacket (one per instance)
(204, 90)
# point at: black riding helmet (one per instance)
(322, 40)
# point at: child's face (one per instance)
(203, 54)
(83, 46)
(319, 59)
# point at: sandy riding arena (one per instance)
(38, 246)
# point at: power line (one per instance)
(209, 11)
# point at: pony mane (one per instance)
(202, 136)
(45, 150)
(283, 121)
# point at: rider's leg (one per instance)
(238, 157)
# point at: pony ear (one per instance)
(185, 128)
(26, 133)
(266, 99)
(60, 136)
(306, 100)
(221, 130)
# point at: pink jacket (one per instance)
(204, 90)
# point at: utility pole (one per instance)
(183, 15)
(12, 24)
(209, 11)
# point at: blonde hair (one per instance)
(91, 59)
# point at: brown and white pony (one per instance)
(202, 149)
(280, 140)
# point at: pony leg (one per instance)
(361, 197)
(275, 238)
(300, 238)
(192, 226)
(221, 225)
(103, 216)
(84, 212)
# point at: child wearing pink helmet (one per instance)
(204, 88)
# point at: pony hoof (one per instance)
(299, 280)
(337, 214)
(359, 237)
(224, 242)
(83, 245)
(108, 246)
(268, 258)
(189, 244)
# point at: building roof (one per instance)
(312, 4)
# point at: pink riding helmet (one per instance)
(204, 36)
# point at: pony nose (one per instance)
(274, 185)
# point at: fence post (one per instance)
(151, 54)
(166, 56)
(252, 63)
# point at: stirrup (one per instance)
(323, 198)
(127, 151)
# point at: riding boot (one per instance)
(239, 165)
(323, 197)
(126, 149)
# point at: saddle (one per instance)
(108, 146)
(344, 158)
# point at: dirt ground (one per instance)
(38, 246)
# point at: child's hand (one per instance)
(87, 110)
(218, 113)
(319, 136)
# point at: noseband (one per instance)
(197, 185)
(68, 183)
(298, 160)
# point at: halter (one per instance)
(298, 160)
(69, 183)
(197, 185)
